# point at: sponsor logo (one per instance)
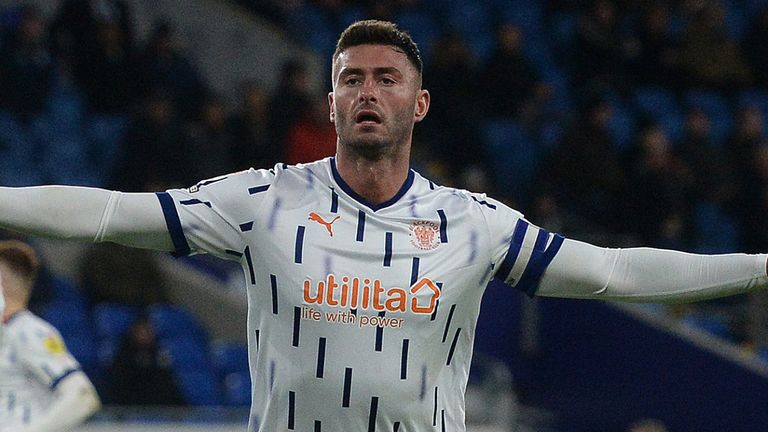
(370, 294)
(319, 219)
(424, 234)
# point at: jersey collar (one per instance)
(355, 196)
(13, 316)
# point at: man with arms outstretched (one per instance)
(362, 317)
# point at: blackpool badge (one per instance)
(424, 234)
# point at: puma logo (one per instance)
(317, 218)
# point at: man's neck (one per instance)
(11, 309)
(377, 181)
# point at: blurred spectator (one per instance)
(586, 170)
(744, 148)
(454, 115)
(707, 55)
(659, 189)
(116, 274)
(313, 137)
(96, 38)
(164, 67)
(211, 141)
(254, 143)
(747, 136)
(141, 373)
(601, 51)
(712, 176)
(512, 83)
(26, 66)
(289, 101)
(156, 131)
(755, 48)
(755, 188)
(656, 62)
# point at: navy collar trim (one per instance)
(375, 207)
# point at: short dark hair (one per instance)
(377, 32)
(21, 259)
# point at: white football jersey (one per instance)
(361, 316)
(33, 361)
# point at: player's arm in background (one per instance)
(75, 400)
(86, 214)
(545, 264)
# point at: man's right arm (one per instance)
(86, 214)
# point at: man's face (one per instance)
(376, 99)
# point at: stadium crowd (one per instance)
(618, 122)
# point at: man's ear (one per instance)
(332, 110)
(422, 105)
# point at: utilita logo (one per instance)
(367, 294)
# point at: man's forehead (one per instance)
(372, 57)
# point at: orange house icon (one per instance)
(424, 282)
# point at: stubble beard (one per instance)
(376, 147)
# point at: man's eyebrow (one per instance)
(376, 71)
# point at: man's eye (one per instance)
(387, 81)
(353, 81)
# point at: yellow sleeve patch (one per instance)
(54, 345)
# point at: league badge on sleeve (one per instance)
(54, 345)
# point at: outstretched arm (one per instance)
(87, 214)
(581, 270)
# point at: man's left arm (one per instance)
(582, 270)
(75, 400)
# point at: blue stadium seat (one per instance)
(112, 321)
(515, 156)
(422, 28)
(711, 324)
(660, 105)
(717, 108)
(762, 353)
(193, 370)
(230, 357)
(237, 389)
(104, 134)
(526, 14)
(67, 316)
(622, 125)
(716, 231)
(231, 362)
(473, 19)
(18, 165)
(73, 321)
(199, 387)
(171, 322)
(562, 30)
(754, 98)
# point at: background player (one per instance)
(42, 387)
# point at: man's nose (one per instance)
(368, 91)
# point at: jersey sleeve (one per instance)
(41, 349)
(521, 251)
(207, 217)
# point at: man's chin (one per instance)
(371, 148)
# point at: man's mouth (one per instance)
(367, 117)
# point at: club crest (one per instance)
(424, 234)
